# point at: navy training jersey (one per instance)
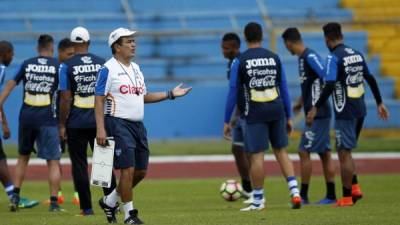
(311, 71)
(40, 81)
(228, 69)
(347, 68)
(78, 74)
(263, 94)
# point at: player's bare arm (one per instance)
(101, 134)
(5, 128)
(178, 91)
(298, 105)
(65, 105)
(6, 92)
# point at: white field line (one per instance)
(221, 158)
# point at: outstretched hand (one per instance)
(178, 91)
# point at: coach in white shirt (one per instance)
(119, 102)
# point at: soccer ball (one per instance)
(231, 190)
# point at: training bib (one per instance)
(355, 92)
(84, 102)
(37, 99)
(266, 95)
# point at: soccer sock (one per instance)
(246, 184)
(53, 200)
(9, 188)
(292, 184)
(112, 198)
(346, 192)
(76, 195)
(16, 190)
(330, 190)
(304, 191)
(59, 193)
(128, 206)
(355, 179)
(258, 195)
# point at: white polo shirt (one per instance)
(124, 89)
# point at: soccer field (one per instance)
(195, 202)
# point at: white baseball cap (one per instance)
(80, 35)
(117, 33)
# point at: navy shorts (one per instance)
(2, 154)
(347, 133)
(238, 132)
(316, 138)
(258, 135)
(46, 138)
(131, 147)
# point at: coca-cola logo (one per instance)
(267, 81)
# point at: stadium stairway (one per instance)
(380, 18)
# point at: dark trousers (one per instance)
(78, 139)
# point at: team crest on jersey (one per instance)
(86, 59)
(349, 50)
(42, 61)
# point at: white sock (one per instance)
(128, 206)
(111, 199)
(293, 186)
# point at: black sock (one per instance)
(16, 190)
(53, 199)
(246, 184)
(330, 190)
(346, 192)
(304, 191)
(355, 180)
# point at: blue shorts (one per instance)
(258, 135)
(131, 147)
(238, 132)
(347, 133)
(46, 138)
(316, 138)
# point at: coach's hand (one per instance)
(101, 137)
(289, 126)
(227, 131)
(310, 116)
(383, 112)
(178, 91)
(6, 132)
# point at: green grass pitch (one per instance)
(197, 202)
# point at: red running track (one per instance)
(225, 169)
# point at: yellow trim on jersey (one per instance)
(37, 99)
(266, 95)
(84, 102)
(355, 92)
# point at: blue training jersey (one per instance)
(311, 71)
(346, 67)
(78, 75)
(40, 80)
(262, 88)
